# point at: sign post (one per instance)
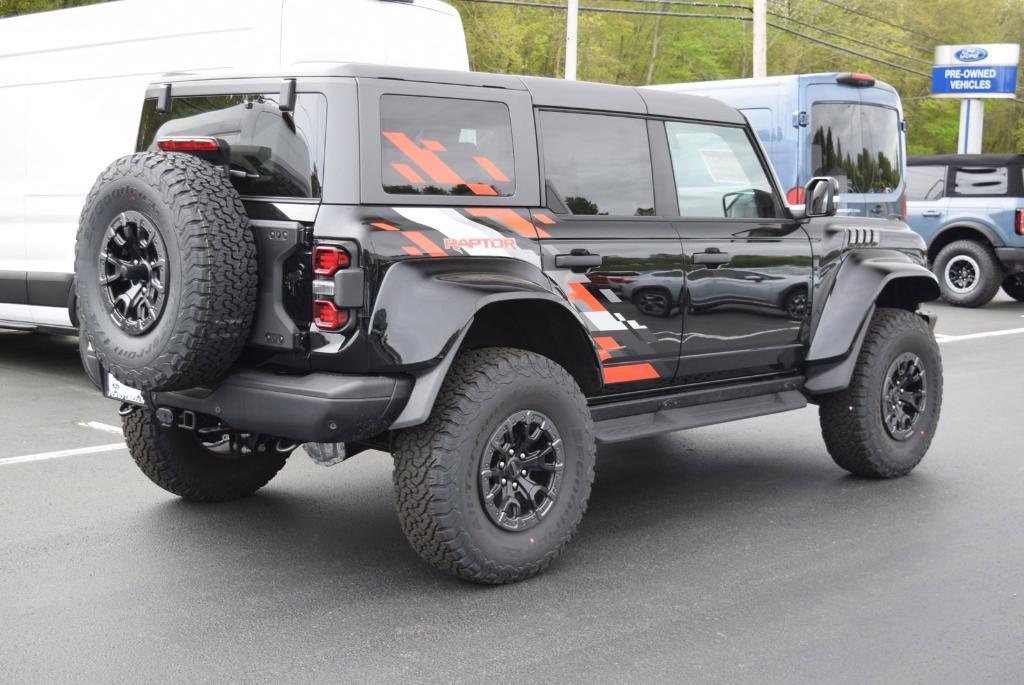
(971, 73)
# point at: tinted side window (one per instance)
(273, 153)
(926, 182)
(444, 146)
(857, 144)
(980, 180)
(718, 173)
(597, 164)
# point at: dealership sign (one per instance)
(975, 71)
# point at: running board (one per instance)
(615, 423)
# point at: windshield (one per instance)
(857, 144)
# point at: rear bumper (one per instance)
(317, 407)
(1012, 258)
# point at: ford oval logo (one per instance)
(971, 54)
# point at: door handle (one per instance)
(578, 259)
(931, 212)
(710, 258)
(755, 279)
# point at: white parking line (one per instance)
(96, 425)
(59, 454)
(975, 336)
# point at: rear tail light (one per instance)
(188, 144)
(328, 317)
(1018, 222)
(328, 260)
(795, 196)
(862, 80)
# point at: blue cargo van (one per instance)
(849, 126)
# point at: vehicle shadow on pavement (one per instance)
(53, 355)
(669, 496)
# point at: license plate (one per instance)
(116, 390)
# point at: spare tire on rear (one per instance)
(166, 271)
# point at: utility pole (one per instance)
(571, 29)
(760, 38)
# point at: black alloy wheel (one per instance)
(904, 396)
(521, 471)
(133, 272)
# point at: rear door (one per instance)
(608, 243)
(747, 264)
(927, 205)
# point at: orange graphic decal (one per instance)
(491, 168)
(434, 146)
(482, 189)
(543, 218)
(580, 294)
(410, 250)
(408, 173)
(438, 171)
(607, 343)
(425, 243)
(383, 226)
(508, 217)
(629, 372)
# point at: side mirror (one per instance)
(820, 195)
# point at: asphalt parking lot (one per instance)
(736, 553)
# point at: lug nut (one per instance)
(524, 472)
(501, 464)
(515, 485)
(503, 481)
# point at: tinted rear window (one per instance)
(857, 144)
(445, 146)
(273, 153)
(981, 180)
(597, 164)
(926, 182)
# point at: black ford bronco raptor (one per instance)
(485, 276)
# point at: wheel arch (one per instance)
(475, 303)
(962, 230)
(866, 280)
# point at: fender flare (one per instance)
(425, 309)
(990, 234)
(840, 332)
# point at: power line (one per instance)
(849, 38)
(851, 51)
(784, 8)
(614, 10)
(880, 20)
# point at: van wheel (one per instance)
(969, 273)
(1014, 286)
(494, 484)
(882, 424)
(203, 467)
(166, 271)
(653, 302)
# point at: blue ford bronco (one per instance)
(485, 276)
(970, 211)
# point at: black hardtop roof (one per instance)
(990, 159)
(545, 92)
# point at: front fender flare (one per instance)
(838, 337)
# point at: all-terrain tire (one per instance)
(175, 460)
(438, 466)
(975, 257)
(210, 277)
(852, 421)
(1014, 286)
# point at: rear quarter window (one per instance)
(446, 146)
(273, 153)
(926, 182)
(981, 180)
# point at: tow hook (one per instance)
(125, 409)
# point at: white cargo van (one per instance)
(72, 84)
